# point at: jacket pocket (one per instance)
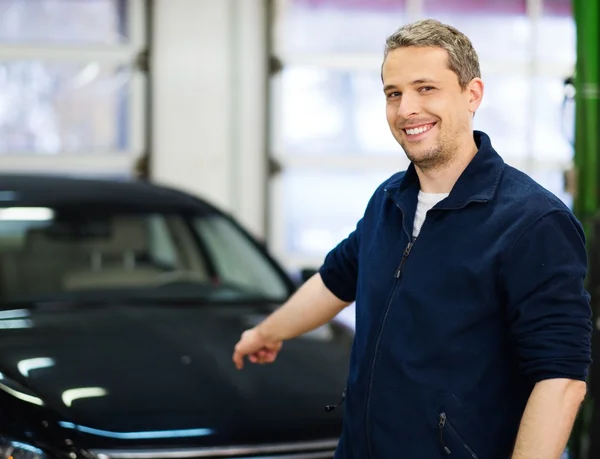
(449, 436)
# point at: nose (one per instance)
(408, 106)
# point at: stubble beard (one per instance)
(433, 158)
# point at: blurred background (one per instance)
(271, 109)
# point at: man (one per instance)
(472, 323)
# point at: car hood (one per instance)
(131, 375)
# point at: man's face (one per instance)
(428, 112)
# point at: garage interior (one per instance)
(268, 108)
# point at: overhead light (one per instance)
(25, 366)
(21, 395)
(69, 396)
(14, 318)
(139, 435)
(87, 75)
(14, 313)
(26, 214)
(11, 324)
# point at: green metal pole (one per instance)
(587, 166)
(586, 13)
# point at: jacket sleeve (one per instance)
(340, 268)
(548, 307)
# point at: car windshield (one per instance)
(54, 254)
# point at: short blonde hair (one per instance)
(462, 57)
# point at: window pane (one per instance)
(557, 7)
(556, 40)
(316, 218)
(337, 26)
(504, 114)
(553, 123)
(51, 108)
(340, 113)
(475, 7)
(334, 112)
(499, 29)
(43, 21)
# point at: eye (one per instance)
(426, 88)
(391, 95)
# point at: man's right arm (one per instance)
(314, 304)
(310, 307)
(322, 297)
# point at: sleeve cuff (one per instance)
(335, 285)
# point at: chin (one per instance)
(425, 158)
(420, 154)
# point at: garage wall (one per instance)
(209, 70)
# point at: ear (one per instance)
(474, 92)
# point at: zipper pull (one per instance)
(404, 257)
(330, 408)
(441, 425)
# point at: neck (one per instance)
(442, 179)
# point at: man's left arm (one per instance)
(548, 419)
(549, 314)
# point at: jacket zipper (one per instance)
(397, 275)
(375, 352)
(441, 426)
(444, 422)
(405, 255)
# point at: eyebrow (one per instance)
(387, 87)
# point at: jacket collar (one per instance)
(477, 183)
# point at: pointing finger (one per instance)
(238, 359)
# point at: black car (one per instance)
(121, 303)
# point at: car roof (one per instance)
(39, 189)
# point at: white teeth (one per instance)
(418, 130)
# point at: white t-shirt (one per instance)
(426, 201)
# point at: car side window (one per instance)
(237, 260)
(161, 245)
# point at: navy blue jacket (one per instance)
(454, 328)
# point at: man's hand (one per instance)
(310, 307)
(258, 348)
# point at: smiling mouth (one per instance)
(419, 130)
